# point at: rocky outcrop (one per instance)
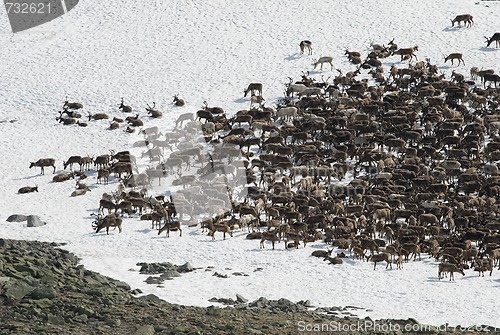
(43, 290)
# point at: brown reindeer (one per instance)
(495, 38)
(465, 18)
(406, 53)
(43, 162)
(124, 108)
(451, 268)
(384, 256)
(178, 101)
(453, 56)
(108, 221)
(171, 225)
(269, 236)
(253, 88)
(306, 45)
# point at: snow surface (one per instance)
(209, 51)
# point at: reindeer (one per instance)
(253, 88)
(72, 105)
(213, 110)
(257, 99)
(392, 46)
(178, 101)
(154, 112)
(495, 37)
(182, 118)
(70, 114)
(322, 61)
(66, 121)
(124, 108)
(384, 256)
(223, 228)
(454, 56)
(306, 45)
(351, 54)
(465, 18)
(72, 160)
(451, 268)
(42, 162)
(98, 116)
(406, 53)
(171, 225)
(27, 189)
(491, 77)
(269, 236)
(110, 220)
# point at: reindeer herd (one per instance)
(390, 167)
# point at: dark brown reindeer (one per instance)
(72, 105)
(73, 160)
(253, 88)
(495, 37)
(406, 53)
(42, 162)
(495, 78)
(465, 18)
(153, 111)
(27, 189)
(451, 57)
(124, 108)
(110, 220)
(170, 226)
(306, 45)
(178, 101)
(98, 116)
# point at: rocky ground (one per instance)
(43, 290)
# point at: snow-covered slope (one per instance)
(209, 51)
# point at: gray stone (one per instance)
(122, 285)
(34, 221)
(84, 310)
(82, 318)
(186, 267)
(240, 299)
(55, 319)
(216, 274)
(43, 292)
(154, 280)
(17, 218)
(145, 330)
(17, 289)
(170, 273)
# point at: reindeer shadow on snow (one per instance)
(488, 49)
(241, 100)
(293, 57)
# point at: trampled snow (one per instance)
(210, 51)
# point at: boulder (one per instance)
(34, 221)
(17, 218)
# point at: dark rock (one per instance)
(216, 274)
(43, 292)
(34, 221)
(145, 330)
(17, 289)
(213, 311)
(17, 218)
(154, 280)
